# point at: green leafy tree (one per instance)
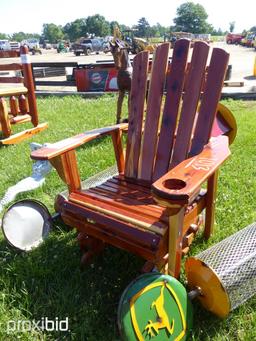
(112, 25)
(124, 27)
(19, 36)
(4, 36)
(232, 26)
(158, 30)
(97, 25)
(52, 32)
(217, 32)
(143, 27)
(191, 17)
(253, 29)
(75, 29)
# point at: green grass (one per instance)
(217, 38)
(48, 282)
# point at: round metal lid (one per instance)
(154, 306)
(214, 295)
(26, 224)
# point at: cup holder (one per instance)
(174, 184)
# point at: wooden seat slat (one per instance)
(126, 192)
(126, 186)
(131, 204)
(145, 197)
(133, 182)
(127, 213)
(111, 224)
(146, 207)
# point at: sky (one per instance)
(29, 15)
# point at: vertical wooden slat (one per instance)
(118, 147)
(210, 204)
(29, 83)
(176, 219)
(175, 83)
(14, 107)
(66, 166)
(190, 102)
(23, 104)
(4, 118)
(136, 111)
(157, 83)
(210, 99)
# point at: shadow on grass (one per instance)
(47, 282)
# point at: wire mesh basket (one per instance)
(226, 272)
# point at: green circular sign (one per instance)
(154, 307)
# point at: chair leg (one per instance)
(147, 267)
(4, 118)
(210, 205)
(90, 248)
(176, 219)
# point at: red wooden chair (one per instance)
(152, 206)
(22, 100)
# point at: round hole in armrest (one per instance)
(174, 184)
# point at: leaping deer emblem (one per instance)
(152, 328)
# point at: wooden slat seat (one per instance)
(128, 203)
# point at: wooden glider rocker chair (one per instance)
(22, 101)
(152, 206)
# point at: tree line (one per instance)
(190, 17)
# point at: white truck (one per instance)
(5, 45)
(32, 43)
(15, 45)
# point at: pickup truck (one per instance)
(5, 45)
(248, 40)
(87, 46)
(234, 38)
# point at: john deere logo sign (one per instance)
(157, 313)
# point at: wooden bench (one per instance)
(21, 106)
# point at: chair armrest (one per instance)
(182, 184)
(58, 148)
